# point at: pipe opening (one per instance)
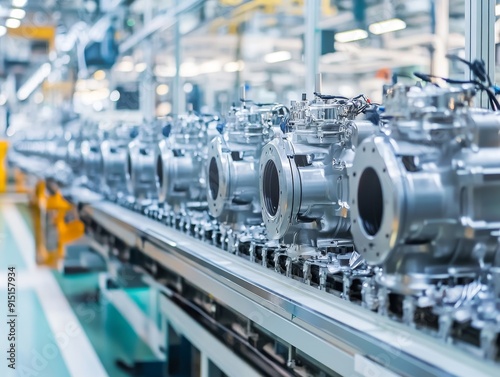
(159, 171)
(129, 165)
(271, 188)
(370, 201)
(213, 178)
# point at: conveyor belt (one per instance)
(334, 332)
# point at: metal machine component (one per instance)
(303, 175)
(233, 163)
(114, 162)
(92, 161)
(180, 161)
(420, 198)
(74, 153)
(141, 165)
(424, 192)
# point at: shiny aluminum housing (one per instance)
(303, 175)
(424, 192)
(180, 161)
(92, 162)
(114, 162)
(141, 165)
(233, 163)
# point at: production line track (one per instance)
(338, 334)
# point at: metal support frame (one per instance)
(311, 44)
(440, 66)
(179, 95)
(213, 348)
(332, 331)
(480, 37)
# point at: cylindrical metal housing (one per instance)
(180, 161)
(233, 164)
(303, 175)
(425, 201)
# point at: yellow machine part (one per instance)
(4, 146)
(52, 229)
(20, 181)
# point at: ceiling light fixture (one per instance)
(140, 67)
(114, 96)
(497, 10)
(211, 66)
(164, 71)
(18, 13)
(12, 23)
(188, 69)
(19, 3)
(124, 66)
(234, 66)
(3, 30)
(351, 35)
(162, 89)
(278, 56)
(99, 75)
(387, 26)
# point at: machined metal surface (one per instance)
(400, 219)
(233, 163)
(92, 161)
(303, 175)
(424, 191)
(114, 155)
(141, 165)
(331, 330)
(180, 160)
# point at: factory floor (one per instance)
(64, 326)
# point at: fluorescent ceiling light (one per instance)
(387, 26)
(19, 3)
(162, 89)
(3, 30)
(497, 10)
(18, 13)
(99, 75)
(188, 69)
(114, 95)
(351, 35)
(234, 66)
(211, 66)
(278, 56)
(125, 66)
(140, 67)
(164, 71)
(13, 23)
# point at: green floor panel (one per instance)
(141, 297)
(9, 255)
(110, 334)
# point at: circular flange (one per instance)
(377, 196)
(279, 187)
(162, 156)
(218, 172)
(141, 173)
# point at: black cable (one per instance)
(493, 100)
(477, 67)
(326, 96)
